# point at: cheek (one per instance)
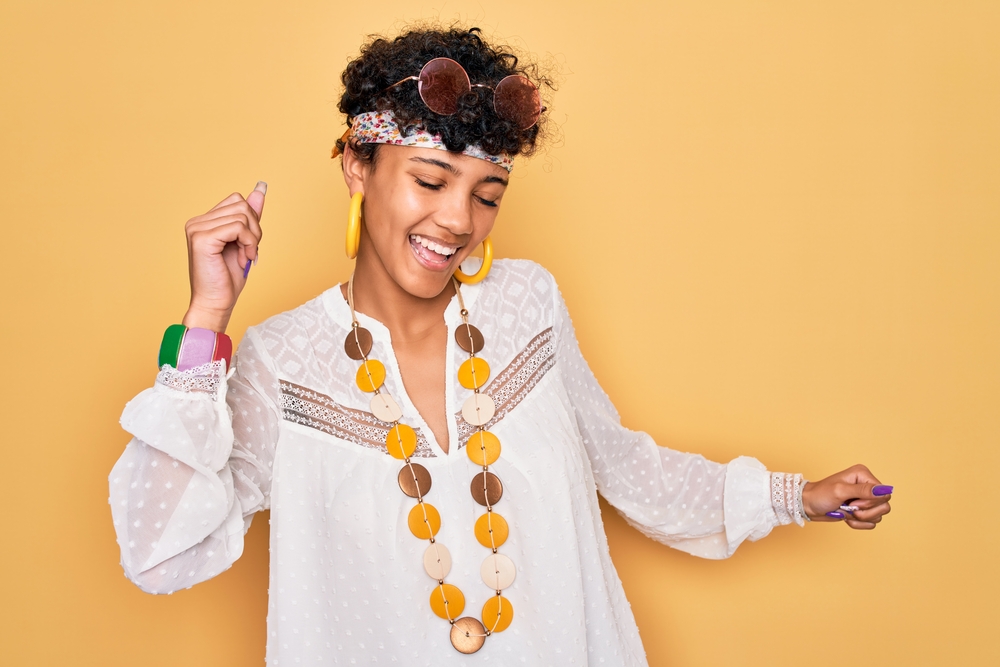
(392, 213)
(483, 223)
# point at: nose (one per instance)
(455, 213)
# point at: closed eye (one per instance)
(429, 186)
(487, 202)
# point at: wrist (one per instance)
(204, 318)
(807, 494)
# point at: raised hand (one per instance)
(221, 245)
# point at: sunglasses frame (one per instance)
(523, 81)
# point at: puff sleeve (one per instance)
(198, 467)
(680, 499)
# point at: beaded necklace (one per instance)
(468, 634)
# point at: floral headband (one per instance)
(379, 127)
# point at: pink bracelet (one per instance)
(199, 347)
(196, 349)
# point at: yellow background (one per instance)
(775, 223)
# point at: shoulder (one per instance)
(517, 278)
(303, 321)
(519, 298)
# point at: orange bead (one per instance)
(401, 441)
(447, 601)
(473, 373)
(498, 612)
(424, 521)
(491, 530)
(371, 375)
(483, 448)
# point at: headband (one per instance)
(379, 127)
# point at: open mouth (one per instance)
(432, 253)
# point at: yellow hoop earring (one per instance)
(483, 269)
(354, 225)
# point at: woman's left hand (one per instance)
(855, 487)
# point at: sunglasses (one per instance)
(442, 81)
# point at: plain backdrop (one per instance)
(775, 224)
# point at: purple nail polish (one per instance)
(835, 515)
(246, 271)
(882, 490)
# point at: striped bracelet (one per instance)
(183, 348)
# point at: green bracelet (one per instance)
(171, 346)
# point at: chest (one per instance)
(422, 367)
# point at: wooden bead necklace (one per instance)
(468, 634)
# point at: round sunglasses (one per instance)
(442, 81)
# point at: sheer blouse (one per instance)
(287, 429)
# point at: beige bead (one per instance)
(437, 561)
(478, 409)
(384, 407)
(497, 572)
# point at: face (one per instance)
(425, 211)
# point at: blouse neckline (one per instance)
(340, 312)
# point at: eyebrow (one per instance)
(437, 163)
(447, 166)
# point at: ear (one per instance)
(355, 171)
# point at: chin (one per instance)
(424, 284)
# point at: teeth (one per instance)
(436, 247)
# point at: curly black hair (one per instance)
(383, 62)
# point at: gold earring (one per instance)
(354, 225)
(483, 269)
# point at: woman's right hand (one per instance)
(220, 244)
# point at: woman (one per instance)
(345, 419)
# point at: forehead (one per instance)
(457, 164)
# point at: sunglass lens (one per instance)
(518, 100)
(442, 81)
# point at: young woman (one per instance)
(428, 438)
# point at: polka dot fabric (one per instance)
(347, 581)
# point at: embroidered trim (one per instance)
(304, 406)
(202, 379)
(778, 498)
(786, 498)
(514, 383)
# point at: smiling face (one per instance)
(425, 211)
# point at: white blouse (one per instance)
(288, 430)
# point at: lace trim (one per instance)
(202, 379)
(514, 383)
(786, 498)
(304, 406)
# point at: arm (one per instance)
(682, 500)
(685, 501)
(184, 490)
(199, 465)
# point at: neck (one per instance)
(409, 318)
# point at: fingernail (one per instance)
(256, 258)
(882, 490)
(835, 515)
(262, 187)
(246, 271)
(849, 508)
